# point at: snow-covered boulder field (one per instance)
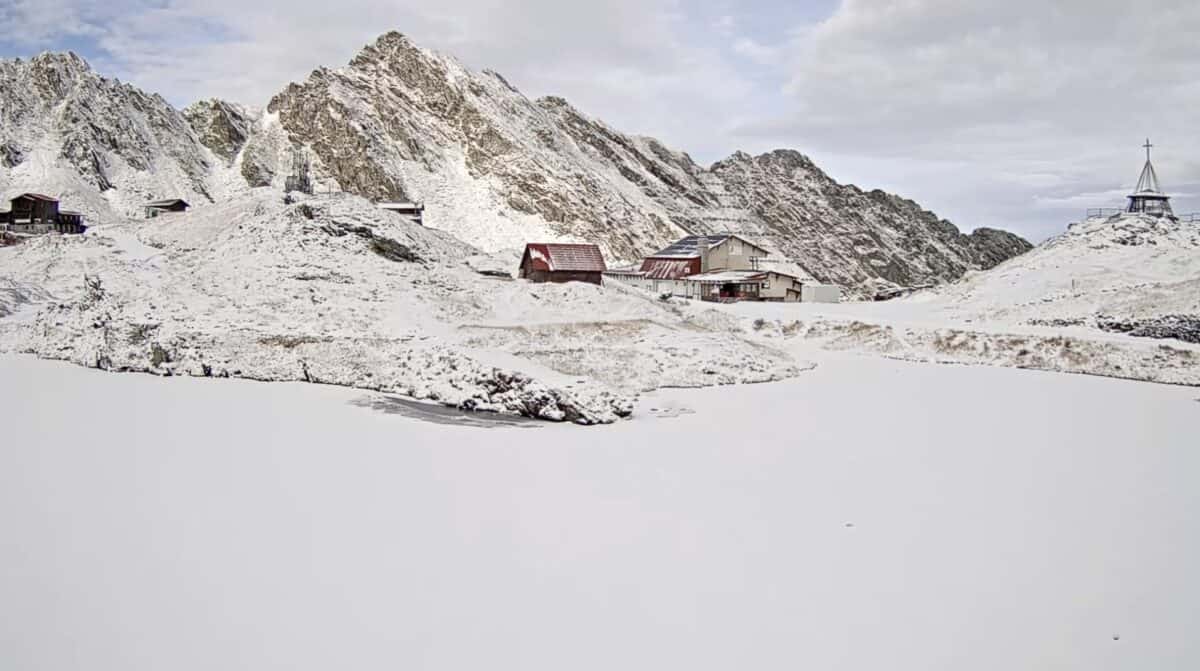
(334, 290)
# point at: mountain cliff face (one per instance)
(102, 146)
(221, 126)
(493, 167)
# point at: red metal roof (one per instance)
(670, 269)
(554, 257)
(37, 196)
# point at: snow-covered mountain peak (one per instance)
(496, 169)
(220, 125)
(57, 73)
(102, 146)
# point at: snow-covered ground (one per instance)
(1087, 301)
(335, 290)
(870, 514)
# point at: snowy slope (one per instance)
(1110, 296)
(102, 147)
(1124, 267)
(335, 290)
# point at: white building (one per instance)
(722, 267)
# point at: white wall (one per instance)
(821, 293)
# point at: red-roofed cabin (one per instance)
(555, 262)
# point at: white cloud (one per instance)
(1007, 114)
(995, 93)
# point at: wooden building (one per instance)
(723, 267)
(557, 262)
(70, 221)
(697, 254)
(35, 213)
(747, 285)
(157, 207)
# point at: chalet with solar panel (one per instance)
(559, 262)
(699, 254)
(724, 268)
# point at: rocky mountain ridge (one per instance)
(542, 164)
(493, 167)
(100, 145)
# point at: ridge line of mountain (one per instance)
(494, 167)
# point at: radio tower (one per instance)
(299, 179)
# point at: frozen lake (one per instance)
(868, 514)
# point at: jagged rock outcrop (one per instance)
(839, 233)
(993, 246)
(66, 130)
(221, 126)
(401, 122)
(227, 129)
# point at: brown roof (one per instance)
(670, 268)
(37, 196)
(553, 257)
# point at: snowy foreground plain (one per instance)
(868, 514)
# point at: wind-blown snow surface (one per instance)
(340, 292)
(1001, 519)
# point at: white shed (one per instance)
(820, 293)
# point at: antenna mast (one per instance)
(299, 180)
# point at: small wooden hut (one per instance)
(557, 262)
(156, 207)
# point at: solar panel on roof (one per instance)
(690, 246)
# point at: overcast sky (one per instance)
(1016, 114)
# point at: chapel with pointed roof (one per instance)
(1148, 197)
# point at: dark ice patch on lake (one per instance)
(440, 414)
(670, 412)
